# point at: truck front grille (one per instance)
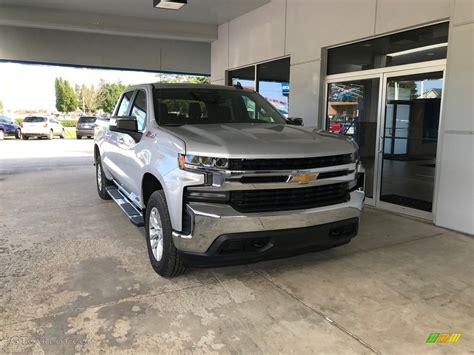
(289, 164)
(289, 199)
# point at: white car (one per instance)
(41, 126)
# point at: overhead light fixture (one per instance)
(169, 4)
(419, 49)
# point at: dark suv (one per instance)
(8, 127)
(85, 127)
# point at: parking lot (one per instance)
(75, 276)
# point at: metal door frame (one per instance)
(349, 78)
(381, 127)
(383, 74)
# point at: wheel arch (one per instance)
(150, 184)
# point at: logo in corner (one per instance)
(303, 178)
(443, 338)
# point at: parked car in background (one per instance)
(8, 127)
(41, 126)
(85, 127)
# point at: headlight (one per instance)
(194, 161)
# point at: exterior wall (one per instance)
(455, 205)
(301, 28)
(80, 48)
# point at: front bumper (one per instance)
(36, 132)
(212, 221)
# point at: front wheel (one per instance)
(164, 257)
(101, 181)
(25, 138)
(18, 134)
(2, 135)
(62, 135)
(50, 135)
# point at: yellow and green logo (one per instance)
(443, 338)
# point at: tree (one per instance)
(88, 98)
(108, 95)
(66, 100)
(176, 78)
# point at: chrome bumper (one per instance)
(209, 221)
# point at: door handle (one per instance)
(121, 140)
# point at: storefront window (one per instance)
(272, 82)
(414, 46)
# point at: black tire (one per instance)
(78, 136)
(62, 135)
(2, 135)
(170, 264)
(25, 138)
(104, 182)
(50, 135)
(18, 134)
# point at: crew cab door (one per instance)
(111, 159)
(130, 151)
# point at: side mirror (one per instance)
(127, 125)
(297, 121)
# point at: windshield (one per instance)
(35, 119)
(176, 107)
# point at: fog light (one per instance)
(206, 196)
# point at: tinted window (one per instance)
(87, 119)
(124, 104)
(139, 109)
(35, 119)
(201, 106)
(4, 120)
(418, 45)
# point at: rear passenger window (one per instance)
(124, 104)
(139, 109)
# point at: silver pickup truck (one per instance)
(218, 176)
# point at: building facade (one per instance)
(395, 75)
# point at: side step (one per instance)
(135, 216)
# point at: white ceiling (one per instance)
(211, 12)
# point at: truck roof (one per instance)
(191, 86)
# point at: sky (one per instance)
(31, 86)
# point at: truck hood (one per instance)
(257, 141)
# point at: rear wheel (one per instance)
(101, 181)
(164, 257)
(50, 135)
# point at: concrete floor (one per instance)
(75, 276)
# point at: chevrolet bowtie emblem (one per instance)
(304, 178)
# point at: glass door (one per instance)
(408, 141)
(353, 110)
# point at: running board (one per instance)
(135, 216)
